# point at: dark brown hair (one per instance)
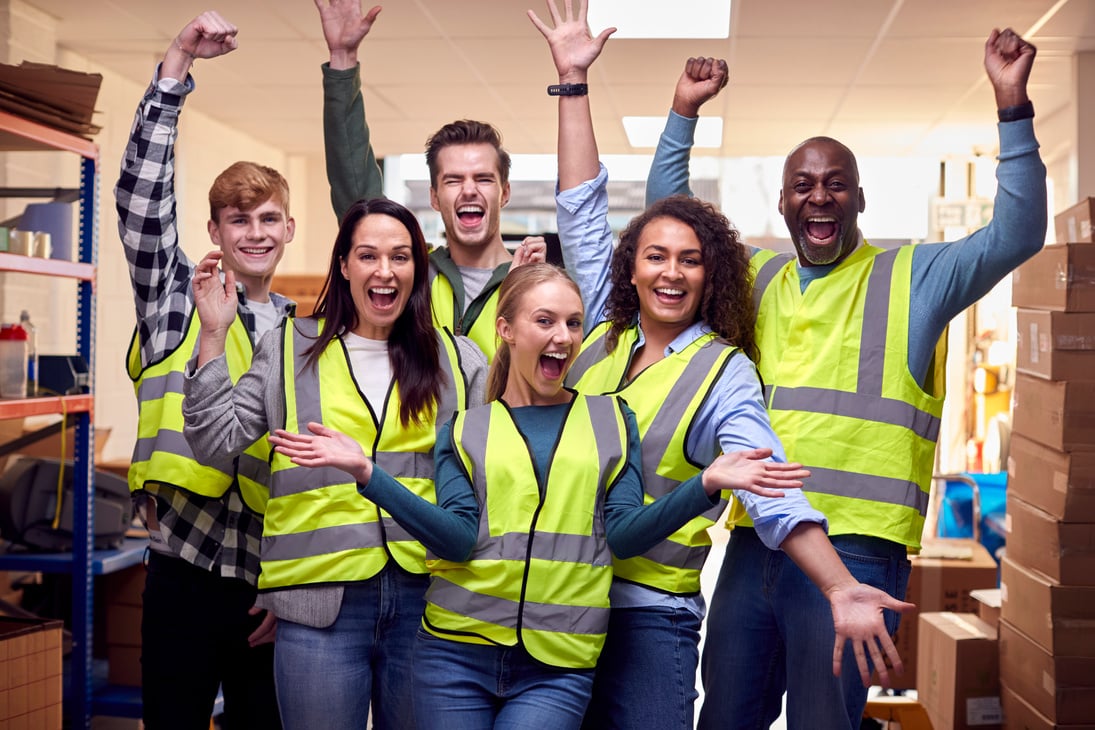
(466, 131)
(727, 302)
(412, 344)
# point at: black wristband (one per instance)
(568, 90)
(1016, 112)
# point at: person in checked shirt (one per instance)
(201, 628)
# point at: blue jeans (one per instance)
(326, 677)
(770, 630)
(646, 676)
(194, 629)
(459, 686)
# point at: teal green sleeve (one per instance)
(352, 169)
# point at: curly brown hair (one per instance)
(727, 302)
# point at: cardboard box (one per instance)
(1020, 715)
(1062, 688)
(125, 586)
(1063, 551)
(1059, 618)
(30, 673)
(1057, 482)
(124, 665)
(988, 605)
(1073, 225)
(1056, 345)
(1061, 278)
(941, 580)
(958, 681)
(1055, 413)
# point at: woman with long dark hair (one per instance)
(344, 579)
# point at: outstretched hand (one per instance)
(748, 470)
(857, 617)
(573, 47)
(1008, 61)
(701, 80)
(324, 447)
(344, 27)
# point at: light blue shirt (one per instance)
(733, 416)
(946, 277)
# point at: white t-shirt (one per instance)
(371, 367)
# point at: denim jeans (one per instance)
(459, 686)
(327, 677)
(770, 630)
(646, 676)
(194, 629)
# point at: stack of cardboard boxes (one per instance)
(1047, 620)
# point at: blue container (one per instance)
(54, 219)
(956, 510)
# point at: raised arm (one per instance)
(701, 81)
(352, 169)
(145, 193)
(573, 49)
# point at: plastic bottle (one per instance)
(13, 361)
(32, 353)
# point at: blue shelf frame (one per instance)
(84, 562)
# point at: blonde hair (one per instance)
(518, 282)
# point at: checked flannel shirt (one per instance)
(221, 535)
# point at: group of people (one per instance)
(472, 489)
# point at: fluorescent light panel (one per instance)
(652, 19)
(644, 131)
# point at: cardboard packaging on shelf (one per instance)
(1063, 551)
(1059, 618)
(123, 605)
(1056, 345)
(1061, 278)
(1073, 225)
(1058, 482)
(958, 676)
(941, 579)
(988, 605)
(1062, 688)
(30, 669)
(1059, 414)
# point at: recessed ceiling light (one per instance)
(649, 19)
(644, 131)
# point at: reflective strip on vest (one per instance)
(666, 396)
(161, 453)
(541, 569)
(319, 529)
(871, 439)
(443, 306)
(767, 272)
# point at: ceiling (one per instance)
(888, 77)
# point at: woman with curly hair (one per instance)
(672, 334)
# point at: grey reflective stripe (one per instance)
(606, 432)
(395, 532)
(592, 352)
(865, 486)
(672, 553)
(300, 479)
(165, 439)
(324, 541)
(306, 379)
(659, 435)
(872, 342)
(156, 387)
(474, 441)
(503, 612)
(866, 407)
(766, 273)
(413, 464)
(253, 468)
(557, 547)
(447, 403)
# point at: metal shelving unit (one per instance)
(18, 134)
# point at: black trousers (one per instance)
(194, 632)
